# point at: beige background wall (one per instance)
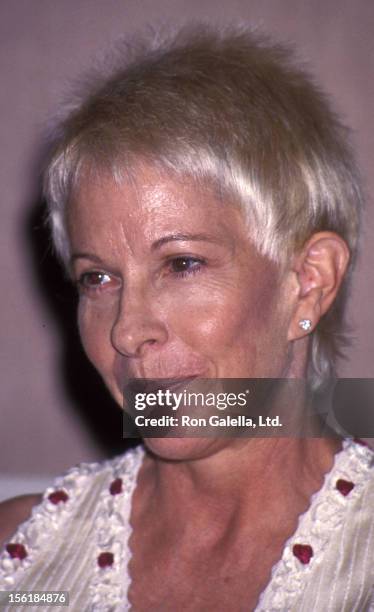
(53, 414)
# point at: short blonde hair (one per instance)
(229, 107)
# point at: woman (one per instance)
(204, 200)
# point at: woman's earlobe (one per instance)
(305, 324)
(300, 327)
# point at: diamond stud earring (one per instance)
(305, 324)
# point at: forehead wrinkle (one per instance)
(134, 203)
(160, 197)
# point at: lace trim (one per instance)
(326, 513)
(109, 585)
(46, 518)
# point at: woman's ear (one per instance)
(319, 268)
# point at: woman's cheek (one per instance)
(198, 317)
(95, 329)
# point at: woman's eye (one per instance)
(91, 281)
(182, 266)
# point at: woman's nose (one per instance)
(138, 326)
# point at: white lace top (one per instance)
(77, 540)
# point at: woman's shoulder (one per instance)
(68, 492)
(69, 530)
(15, 511)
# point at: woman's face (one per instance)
(171, 286)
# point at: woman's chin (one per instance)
(183, 449)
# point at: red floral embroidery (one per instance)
(58, 496)
(303, 552)
(16, 551)
(116, 486)
(344, 486)
(105, 559)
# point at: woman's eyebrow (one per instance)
(180, 237)
(85, 256)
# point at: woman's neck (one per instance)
(241, 483)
